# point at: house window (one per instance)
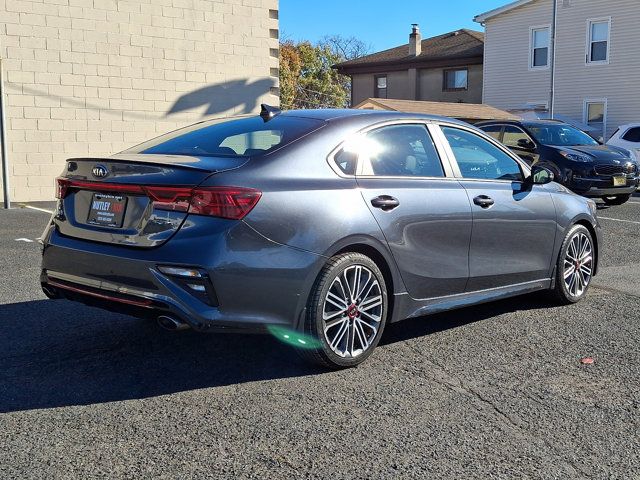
(455, 79)
(540, 39)
(598, 41)
(380, 90)
(595, 116)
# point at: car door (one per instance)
(422, 210)
(514, 223)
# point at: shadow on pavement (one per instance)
(57, 353)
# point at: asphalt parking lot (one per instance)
(496, 391)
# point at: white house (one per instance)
(571, 59)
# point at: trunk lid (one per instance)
(119, 199)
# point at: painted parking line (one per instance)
(618, 220)
(30, 207)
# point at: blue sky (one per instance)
(383, 24)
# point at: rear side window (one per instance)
(400, 151)
(244, 137)
(512, 135)
(493, 131)
(632, 135)
(479, 158)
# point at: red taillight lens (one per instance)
(61, 187)
(225, 202)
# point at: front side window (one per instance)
(595, 116)
(243, 137)
(456, 79)
(397, 151)
(513, 137)
(598, 47)
(479, 158)
(540, 39)
(381, 86)
(632, 135)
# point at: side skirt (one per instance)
(407, 307)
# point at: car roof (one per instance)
(526, 123)
(331, 115)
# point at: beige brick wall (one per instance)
(92, 77)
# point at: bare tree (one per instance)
(346, 48)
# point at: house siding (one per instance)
(92, 78)
(431, 83)
(617, 81)
(508, 81)
(400, 86)
(509, 84)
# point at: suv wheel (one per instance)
(575, 266)
(346, 312)
(617, 200)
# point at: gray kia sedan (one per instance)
(319, 226)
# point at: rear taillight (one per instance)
(233, 203)
(225, 202)
(61, 187)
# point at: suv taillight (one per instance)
(233, 203)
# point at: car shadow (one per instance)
(427, 325)
(57, 353)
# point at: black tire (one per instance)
(562, 292)
(617, 200)
(322, 352)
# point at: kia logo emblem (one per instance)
(100, 171)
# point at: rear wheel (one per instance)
(346, 312)
(617, 200)
(575, 266)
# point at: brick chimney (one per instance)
(415, 41)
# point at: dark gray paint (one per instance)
(440, 250)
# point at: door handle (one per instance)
(483, 201)
(385, 202)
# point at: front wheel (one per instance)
(617, 200)
(575, 267)
(346, 311)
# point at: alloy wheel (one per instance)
(352, 311)
(578, 264)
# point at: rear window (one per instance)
(632, 135)
(243, 137)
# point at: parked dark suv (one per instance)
(578, 161)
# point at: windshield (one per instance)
(560, 135)
(240, 137)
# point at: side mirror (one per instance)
(541, 175)
(526, 144)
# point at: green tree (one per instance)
(307, 79)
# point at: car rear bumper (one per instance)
(253, 281)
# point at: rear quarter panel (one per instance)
(305, 204)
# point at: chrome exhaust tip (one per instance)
(172, 324)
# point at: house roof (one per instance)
(467, 111)
(483, 17)
(461, 44)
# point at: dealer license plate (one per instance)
(107, 210)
